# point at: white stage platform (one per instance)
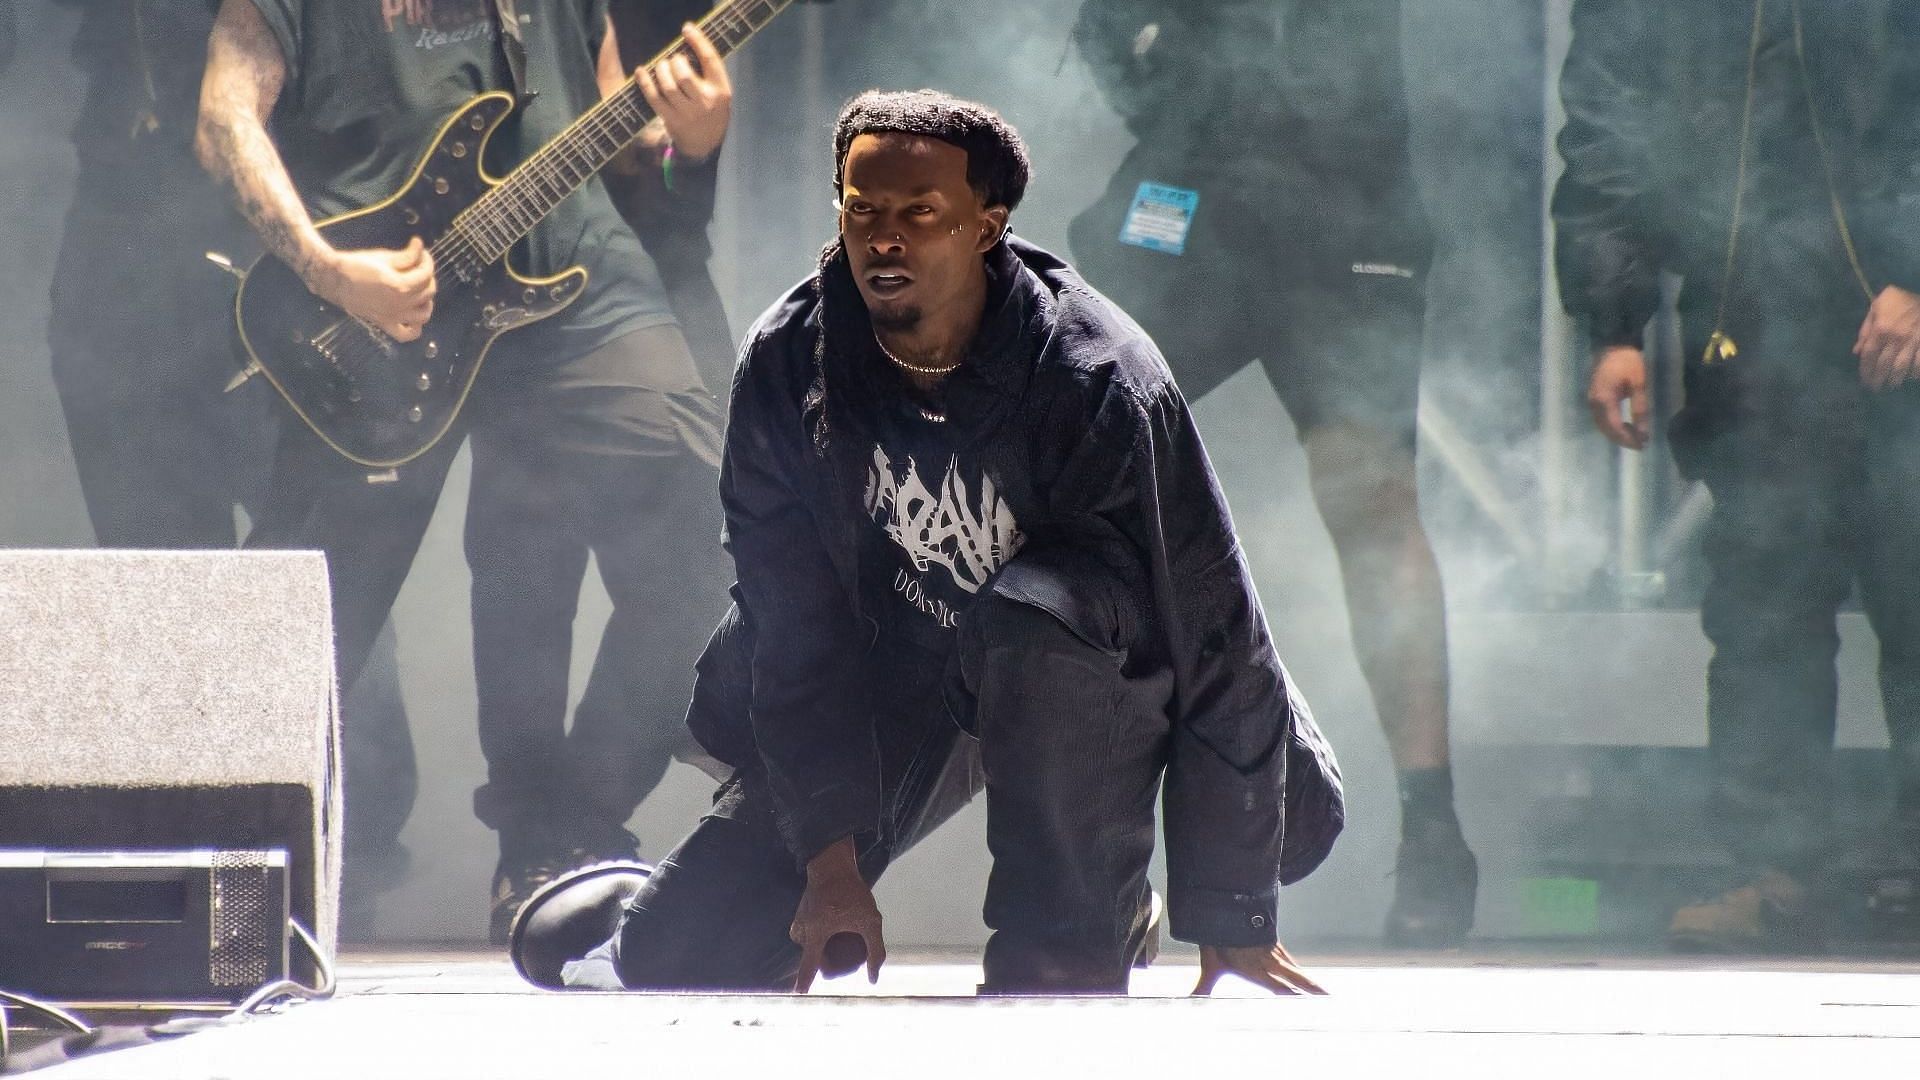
(464, 1015)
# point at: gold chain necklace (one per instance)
(917, 369)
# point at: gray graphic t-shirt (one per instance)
(940, 530)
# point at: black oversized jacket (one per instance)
(1654, 93)
(1092, 446)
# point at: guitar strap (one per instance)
(513, 46)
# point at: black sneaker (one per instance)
(538, 860)
(515, 879)
(1435, 882)
(569, 917)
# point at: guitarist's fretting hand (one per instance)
(695, 105)
(392, 290)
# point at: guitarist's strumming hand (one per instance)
(695, 105)
(390, 289)
(245, 74)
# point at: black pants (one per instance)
(610, 454)
(1065, 727)
(1816, 486)
(142, 344)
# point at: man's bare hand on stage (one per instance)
(838, 923)
(390, 289)
(1266, 966)
(696, 105)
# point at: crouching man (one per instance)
(977, 544)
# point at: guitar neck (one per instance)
(530, 192)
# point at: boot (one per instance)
(1435, 882)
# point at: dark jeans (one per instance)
(142, 348)
(610, 454)
(1064, 725)
(1816, 486)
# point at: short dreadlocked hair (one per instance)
(997, 164)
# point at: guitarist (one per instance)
(162, 455)
(592, 431)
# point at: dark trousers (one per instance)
(610, 454)
(1064, 725)
(1816, 486)
(142, 349)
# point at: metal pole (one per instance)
(1557, 352)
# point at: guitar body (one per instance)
(378, 401)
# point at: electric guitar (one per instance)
(383, 402)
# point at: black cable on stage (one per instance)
(21, 1001)
(287, 988)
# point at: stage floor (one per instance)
(465, 1015)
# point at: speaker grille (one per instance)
(241, 951)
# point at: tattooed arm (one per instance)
(391, 289)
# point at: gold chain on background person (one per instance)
(1720, 346)
(1826, 158)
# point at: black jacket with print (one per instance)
(1654, 92)
(1091, 444)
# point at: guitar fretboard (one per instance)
(497, 220)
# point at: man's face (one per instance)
(914, 229)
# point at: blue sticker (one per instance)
(1160, 218)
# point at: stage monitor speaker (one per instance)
(173, 701)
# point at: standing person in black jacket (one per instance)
(143, 346)
(976, 541)
(1268, 212)
(1766, 152)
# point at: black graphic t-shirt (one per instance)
(369, 82)
(941, 527)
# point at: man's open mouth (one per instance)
(887, 283)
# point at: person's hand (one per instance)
(1889, 341)
(1266, 966)
(838, 923)
(1620, 374)
(696, 105)
(387, 288)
